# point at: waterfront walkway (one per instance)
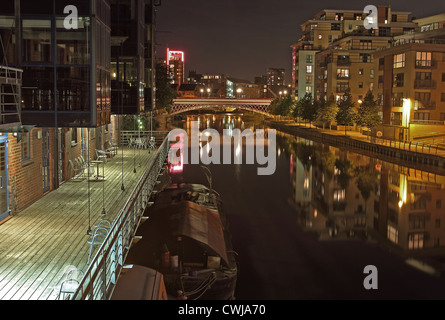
(41, 242)
(415, 153)
(419, 147)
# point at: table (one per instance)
(97, 177)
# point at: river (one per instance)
(309, 230)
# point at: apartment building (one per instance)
(334, 51)
(410, 82)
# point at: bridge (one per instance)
(182, 105)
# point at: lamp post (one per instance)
(202, 91)
(208, 91)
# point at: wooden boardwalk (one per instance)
(38, 244)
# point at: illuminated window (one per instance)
(339, 195)
(399, 61)
(342, 73)
(415, 241)
(423, 59)
(308, 69)
(392, 234)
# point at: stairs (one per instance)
(10, 97)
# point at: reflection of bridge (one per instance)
(224, 104)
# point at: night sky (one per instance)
(242, 38)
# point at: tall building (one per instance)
(176, 67)
(275, 77)
(132, 63)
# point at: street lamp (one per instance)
(202, 91)
(239, 91)
(208, 91)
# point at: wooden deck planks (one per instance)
(39, 243)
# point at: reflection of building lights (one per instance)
(315, 213)
(403, 190)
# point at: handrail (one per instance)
(102, 274)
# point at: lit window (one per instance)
(399, 61)
(393, 235)
(423, 59)
(415, 241)
(308, 69)
(339, 195)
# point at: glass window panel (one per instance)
(7, 34)
(36, 40)
(38, 88)
(73, 90)
(72, 45)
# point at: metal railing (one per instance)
(102, 274)
(127, 136)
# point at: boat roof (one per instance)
(182, 218)
(199, 223)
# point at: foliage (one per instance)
(282, 106)
(164, 92)
(366, 180)
(368, 113)
(327, 111)
(305, 108)
(346, 113)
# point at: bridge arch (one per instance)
(182, 105)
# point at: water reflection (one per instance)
(334, 194)
(344, 195)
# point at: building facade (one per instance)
(176, 67)
(411, 81)
(63, 67)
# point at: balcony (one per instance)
(426, 105)
(342, 89)
(425, 84)
(426, 64)
(343, 62)
(343, 76)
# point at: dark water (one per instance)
(309, 230)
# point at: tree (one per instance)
(366, 180)
(282, 106)
(297, 112)
(327, 111)
(368, 113)
(346, 113)
(164, 92)
(307, 110)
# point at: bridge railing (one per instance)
(102, 274)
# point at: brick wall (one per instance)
(26, 175)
